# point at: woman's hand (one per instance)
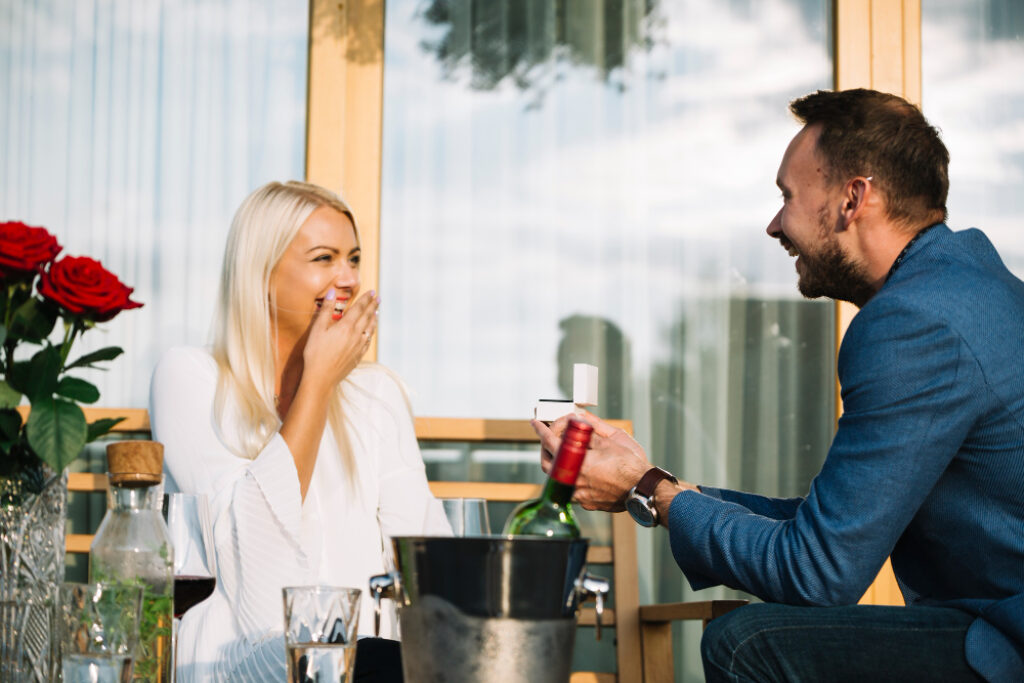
(613, 465)
(334, 347)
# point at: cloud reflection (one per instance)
(499, 220)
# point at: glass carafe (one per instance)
(133, 546)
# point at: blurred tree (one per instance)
(522, 40)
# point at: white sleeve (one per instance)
(406, 505)
(264, 552)
(256, 504)
(254, 662)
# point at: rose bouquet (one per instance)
(36, 291)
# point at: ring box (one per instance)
(584, 395)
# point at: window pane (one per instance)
(589, 181)
(132, 131)
(972, 58)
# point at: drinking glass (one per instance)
(320, 633)
(195, 562)
(468, 516)
(99, 631)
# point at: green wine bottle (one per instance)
(551, 514)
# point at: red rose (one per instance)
(83, 286)
(25, 249)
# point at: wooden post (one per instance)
(345, 116)
(878, 46)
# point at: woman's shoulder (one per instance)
(180, 362)
(181, 391)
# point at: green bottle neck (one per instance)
(557, 492)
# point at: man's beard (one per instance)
(829, 272)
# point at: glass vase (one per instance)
(31, 569)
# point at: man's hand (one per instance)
(613, 465)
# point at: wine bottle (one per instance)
(551, 514)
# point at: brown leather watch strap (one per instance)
(651, 479)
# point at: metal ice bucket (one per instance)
(488, 609)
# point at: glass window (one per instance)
(589, 181)
(972, 58)
(132, 131)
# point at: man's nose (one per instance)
(775, 226)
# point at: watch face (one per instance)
(639, 511)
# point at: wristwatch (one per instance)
(640, 502)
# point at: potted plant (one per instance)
(38, 290)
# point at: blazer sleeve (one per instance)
(908, 383)
(775, 508)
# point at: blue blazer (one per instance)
(927, 464)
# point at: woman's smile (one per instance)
(341, 303)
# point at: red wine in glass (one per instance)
(190, 591)
(195, 560)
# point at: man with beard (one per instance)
(927, 463)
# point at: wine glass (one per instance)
(468, 516)
(195, 561)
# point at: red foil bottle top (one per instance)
(570, 453)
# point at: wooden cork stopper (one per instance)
(135, 463)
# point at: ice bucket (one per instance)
(491, 608)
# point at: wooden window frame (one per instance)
(878, 46)
(344, 116)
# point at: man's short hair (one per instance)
(876, 134)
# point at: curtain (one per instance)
(132, 129)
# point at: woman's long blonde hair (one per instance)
(244, 340)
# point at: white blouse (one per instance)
(266, 536)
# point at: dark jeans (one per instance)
(378, 660)
(768, 642)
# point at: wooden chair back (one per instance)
(621, 555)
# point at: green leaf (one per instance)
(33, 321)
(38, 378)
(78, 390)
(102, 426)
(3, 332)
(9, 396)
(10, 428)
(20, 375)
(106, 353)
(56, 431)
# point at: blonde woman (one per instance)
(308, 457)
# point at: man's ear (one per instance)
(855, 197)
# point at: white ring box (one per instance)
(584, 395)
